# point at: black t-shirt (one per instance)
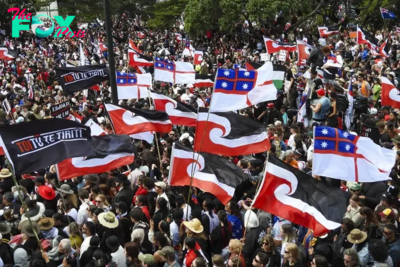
(289, 75)
(383, 138)
(261, 107)
(318, 84)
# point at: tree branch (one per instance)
(305, 18)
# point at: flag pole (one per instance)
(155, 134)
(251, 206)
(23, 203)
(201, 144)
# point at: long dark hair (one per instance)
(222, 216)
(235, 210)
(132, 251)
(370, 216)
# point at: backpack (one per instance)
(361, 104)
(342, 103)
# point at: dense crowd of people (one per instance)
(135, 218)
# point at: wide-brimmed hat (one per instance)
(122, 178)
(112, 242)
(5, 173)
(146, 258)
(194, 226)
(65, 188)
(27, 229)
(161, 185)
(4, 228)
(108, 219)
(46, 192)
(46, 223)
(356, 236)
(396, 139)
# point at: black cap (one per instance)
(40, 180)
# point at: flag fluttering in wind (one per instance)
(295, 196)
(325, 31)
(390, 94)
(211, 173)
(229, 134)
(351, 158)
(237, 89)
(133, 85)
(274, 46)
(386, 14)
(174, 72)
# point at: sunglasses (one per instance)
(386, 233)
(98, 201)
(267, 243)
(354, 190)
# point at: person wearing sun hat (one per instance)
(47, 227)
(112, 227)
(6, 183)
(195, 230)
(359, 239)
(47, 196)
(321, 108)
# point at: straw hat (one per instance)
(194, 226)
(5, 173)
(356, 236)
(108, 219)
(46, 223)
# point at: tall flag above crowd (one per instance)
(295, 196)
(237, 89)
(133, 85)
(359, 158)
(325, 31)
(386, 14)
(390, 94)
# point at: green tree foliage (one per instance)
(202, 15)
(166, 13)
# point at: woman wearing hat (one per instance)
(195, 230)
(111, 227)
(47, 196)
(67, 193)
(359, 240)
(6, 183)
(47, 227)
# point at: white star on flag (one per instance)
(159, 64)
(226, 73)
(169, 67)
(121, 81)
(324, 131)
(246, 73)
(132, 81)
(348, 147)
(224, 84)
(245, 86)
(324, 144)
(346, 134)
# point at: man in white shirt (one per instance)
(159, 188)
(117, 252)
(83, 215)
(186, 96)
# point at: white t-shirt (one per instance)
(82, 214)
(73, 213)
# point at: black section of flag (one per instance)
(185, 107)
(150, 115)
(241, 126)
(105, 145)
(204, 77)
(369, 36)
(38, 144)
(73, 79)
(224, 170)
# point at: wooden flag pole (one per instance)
(24, 204)
(155, 134)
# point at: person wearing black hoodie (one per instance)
(87, 256)
(371, 193)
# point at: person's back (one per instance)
(325, 105)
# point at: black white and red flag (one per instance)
(136, 57)
(110, 152)
(275, 46)
(325, 31)
(365, 37)
(211, 173)
(131, 120)
(229, 134)
(203, 80)
(35, 145)
(179, 113)
(295, 196)
(384, 49)
(7, 54)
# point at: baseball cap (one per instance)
(146, 258)
(386, 213)
(168, 252)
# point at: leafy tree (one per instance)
(166, 13)
(202, 15)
